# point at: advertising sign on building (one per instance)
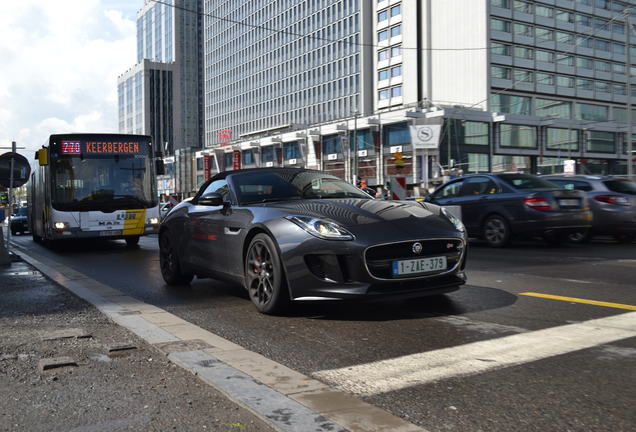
(569, 166)
(207, 166)
(425, 136)
(236, 159)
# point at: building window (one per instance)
(522, 6)
(396, 91)
(383, 55)
(545, 78)
(565, 60)
(545, 56)
(544, 11)
(396, 10)
(331, 144)
(561, 139)
(383, 74)
(477, 163)
(396, 71)
(511, 104)
(383, 16)
(396, 30)
(291, 150)
(248, 157)
(523, 30)
(564, 38)
(510, 163)
(383, 35)
(585, 63)
(584, 84)
(476, 133)
(523, 76)
(544, 34)
(553, 108)
(600, 142)
(396, 51)
(499, 25)
(564, 81)
(592, 112)
(518, 136)
(564, 16)
(500, 72)
(383, 94)
(501, 3)
(268, 154)
(500, 49)
(524, 53)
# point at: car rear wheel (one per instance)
(169, 263)
(264, 276)
(625, 238)
(496, 231)
(580, 236)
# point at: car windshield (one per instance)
(270, 186)
(526, 181)
(621, 186)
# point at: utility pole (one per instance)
(630, 155)
(355, 149)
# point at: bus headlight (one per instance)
(153, 221)
(60, 225)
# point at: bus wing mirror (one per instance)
(159, 167)
(42, 157)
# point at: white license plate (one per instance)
(419, 266)
(108, 233)
(569, 202)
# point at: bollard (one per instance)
(5, 259)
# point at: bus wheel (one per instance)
(132, 241)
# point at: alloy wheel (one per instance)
(495, 231)
(260, 273)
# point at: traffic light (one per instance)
(399, 160)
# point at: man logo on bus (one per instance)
(71, 147)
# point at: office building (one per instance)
(516, 85)
(160, 95)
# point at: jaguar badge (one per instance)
(417, 248)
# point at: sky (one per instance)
(59, 63)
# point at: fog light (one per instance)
(60, 225)
(153, 221)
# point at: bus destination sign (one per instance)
(101, 147)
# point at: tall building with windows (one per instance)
(516, 85)
(161, 94)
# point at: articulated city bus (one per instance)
(94, 185)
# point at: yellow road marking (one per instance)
(578, 300)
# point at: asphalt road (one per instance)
(547, 386)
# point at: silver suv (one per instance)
(612, 201)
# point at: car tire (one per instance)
(132, 241)
(625, 238)
(169, 264)
(555, 239)
(580, 237)
(264, 279)
(496, 231)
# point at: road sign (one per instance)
(398, 188)
(21, 169)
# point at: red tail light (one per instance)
(613, 199)
(537, 204)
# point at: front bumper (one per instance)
(353, 269)
(104, 234)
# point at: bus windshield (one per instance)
(103, 183)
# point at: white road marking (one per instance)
(478, 357)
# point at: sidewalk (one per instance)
(115, 381)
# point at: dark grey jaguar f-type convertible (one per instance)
(287, 233)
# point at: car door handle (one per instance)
(232, 230)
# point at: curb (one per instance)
(281, 397)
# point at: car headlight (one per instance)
(459, 226)
(153, 221)
(321, 228)
(60, 225)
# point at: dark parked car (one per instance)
(19, 223)
(287, 233)
(612, 201)
(497, 207)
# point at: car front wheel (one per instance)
(264, 276)
(169, 263)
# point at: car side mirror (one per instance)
(211, 199)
